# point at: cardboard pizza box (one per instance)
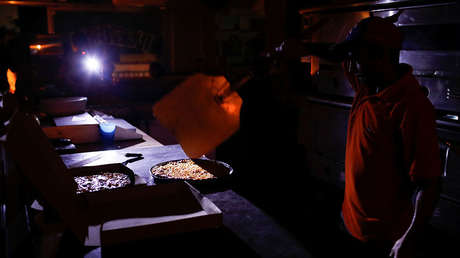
(108, 216)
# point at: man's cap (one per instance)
(373, 30)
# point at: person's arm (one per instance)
(427, 196)
(425, 203)
(421, 154)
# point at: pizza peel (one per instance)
(201, 112)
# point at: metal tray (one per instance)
(221, 170)
(110, 168)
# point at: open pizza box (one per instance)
(111, 216)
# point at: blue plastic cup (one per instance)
(107, 131)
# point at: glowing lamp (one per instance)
(92, 64)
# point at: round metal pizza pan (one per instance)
(221, 170)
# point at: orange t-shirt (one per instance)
(391, 142)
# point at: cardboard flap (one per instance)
(37, 160)
(132, 229)
(141, 202)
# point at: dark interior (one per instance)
(285, 193)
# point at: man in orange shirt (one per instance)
(392, 150)
(392, 146)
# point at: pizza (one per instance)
(183, 169)
(94, 183)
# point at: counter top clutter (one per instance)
(67, 118)
(117, 214)
(122, 219)
(85, 129)
(246, 230)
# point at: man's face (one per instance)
(371, 62)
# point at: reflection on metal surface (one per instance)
(430, 45)
(438, 62)
(374, 5)
(46, 49)
(452, 94)
(451, 117)
(446, 160)
(432, 51)
(444, 13)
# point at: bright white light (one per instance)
(391, 13)
(92, 64)
(451, 117)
